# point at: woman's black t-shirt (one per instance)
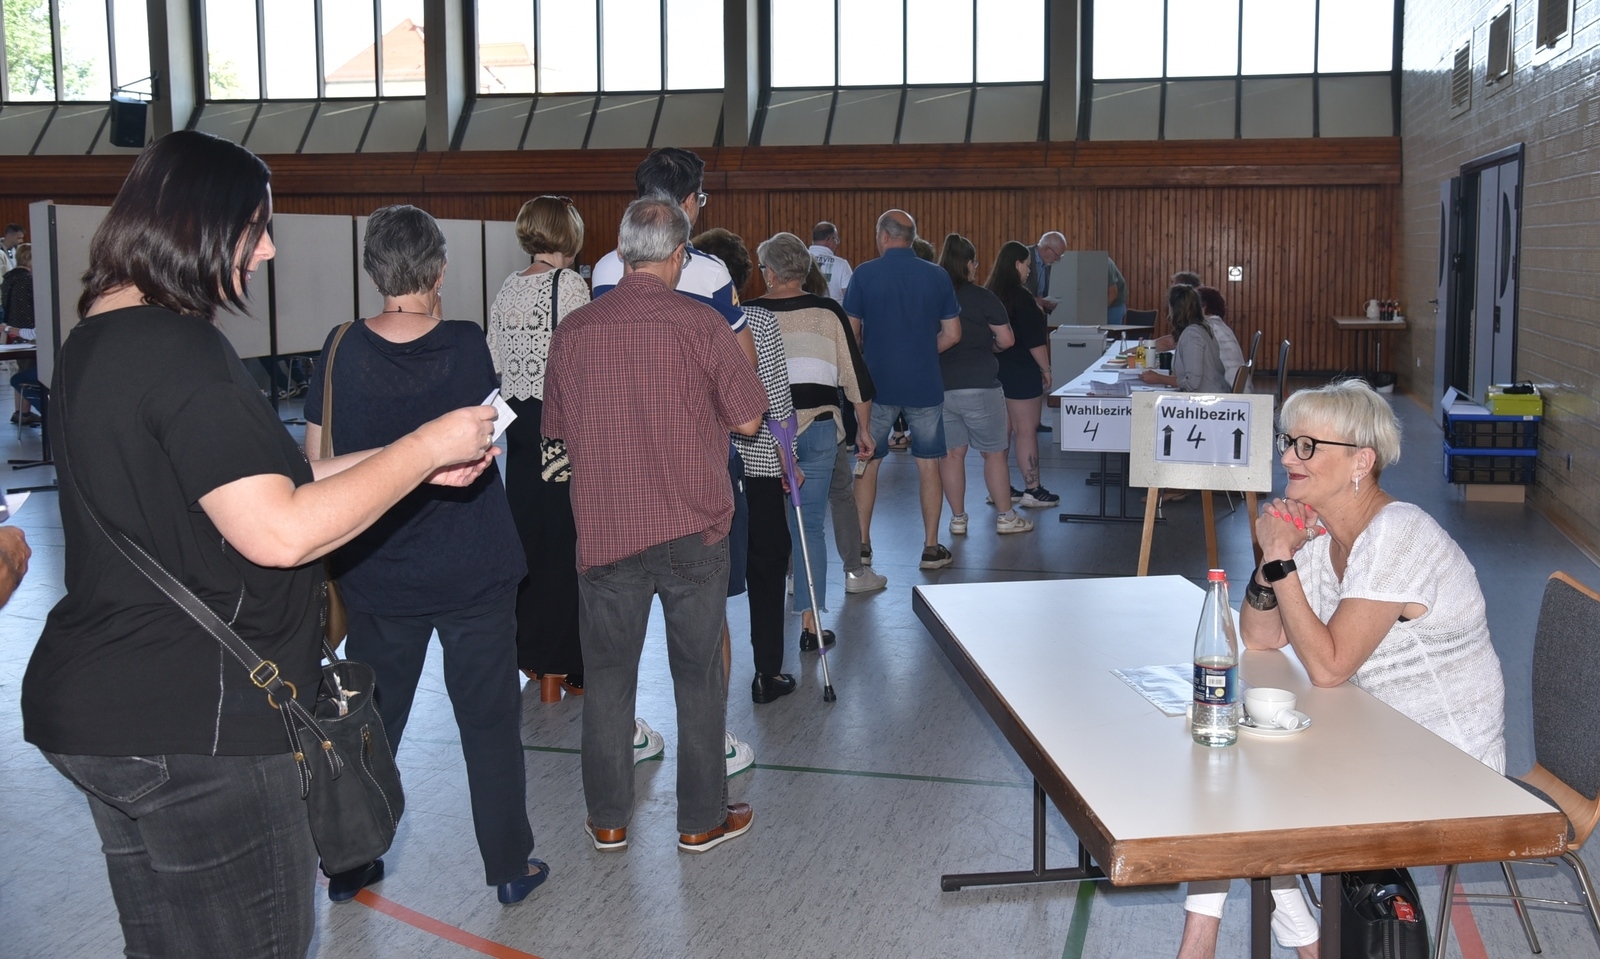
(152, 411)
(440, 548)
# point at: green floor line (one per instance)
(865, 774)
(1079, 930)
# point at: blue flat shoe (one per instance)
(344, 886)
(517, 890)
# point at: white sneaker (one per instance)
(1012, 523)
(739, 755)
(958, 524)
(865, 581)
(647, 743)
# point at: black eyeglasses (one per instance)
(1305, 447)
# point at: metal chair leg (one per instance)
(1522, 911)
(1442, 935)
(1587, 885)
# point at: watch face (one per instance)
(1277, 569)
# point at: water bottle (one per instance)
(1216, 668)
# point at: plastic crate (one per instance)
(1498, 468)
(1492, 432)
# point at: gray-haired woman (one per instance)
(441, 559)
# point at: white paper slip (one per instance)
(1169, 688)
(504, 411)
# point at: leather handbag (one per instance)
(335, 620)
(350, 783)
(1381, 916)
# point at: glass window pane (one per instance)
(131, 26)
(1127, 39)
(405, 69)
(568, 55)
(291, 61)
(1010, 41)
(802, 43)
(632, 36)
(939, 41)
(505, 47)
(30, 54)
(231, 69)
(1356, 36)
(85, 54)
(694, 44)
(1279, 36)
(870, 48)
(1202, 38)
(348, 51)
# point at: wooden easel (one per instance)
(1152, 503)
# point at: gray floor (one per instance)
(860, 805)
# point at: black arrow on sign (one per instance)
(1166, 442)
(1238, 443)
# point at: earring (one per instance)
(1358, 484)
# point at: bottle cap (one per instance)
(1217, 576)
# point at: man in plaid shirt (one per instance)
(678, 370)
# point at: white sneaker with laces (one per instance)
(647, 743)
(1012, 523)
(865, 580)
(958, 524)
(739, 755)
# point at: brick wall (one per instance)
(1554, 109)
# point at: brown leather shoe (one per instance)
(606, 840)
(740, 816)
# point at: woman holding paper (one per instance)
(1197, 362)
(441, 559)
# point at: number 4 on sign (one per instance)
(1195, 436)
(1093, 429)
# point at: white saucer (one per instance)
(1247, 725)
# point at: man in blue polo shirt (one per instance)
(905, 314)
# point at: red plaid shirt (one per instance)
(644, 385)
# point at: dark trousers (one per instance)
(547, 600)
(768, 560)
(207, 855)
(692, 580)
(480, 675)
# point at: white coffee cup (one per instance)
(1263, 704)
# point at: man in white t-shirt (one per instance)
(9, 241)
(825, 250)
(679, 175)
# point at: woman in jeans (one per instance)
(445, 560)
(822, 360)
(521, 321)
(185, 764)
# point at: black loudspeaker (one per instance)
(128, 122)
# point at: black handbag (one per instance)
(1381, 917)
(352, 791)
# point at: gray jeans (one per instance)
(846, 517)
(207, 855)
(614, 610)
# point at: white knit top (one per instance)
(1439, 669)
(524, 314)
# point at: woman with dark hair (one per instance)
(183, 760)
(767, 509)
(441, 560)
(521, 321)
(1024, 369)
(1197, 362)
(1215, 310)
(975, 412)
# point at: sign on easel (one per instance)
(1201, 441)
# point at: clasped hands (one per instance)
(1284, 526)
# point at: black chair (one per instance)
(1255, 344)
(1566, 771)
(1139, 318)
(1283, 371)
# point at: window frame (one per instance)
(906, 89)
(57, 66)
(1087, 79)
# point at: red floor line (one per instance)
(434, 927)
(1466, 927)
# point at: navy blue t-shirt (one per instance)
(900, 301)
(439, 548)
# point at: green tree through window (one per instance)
(30, 63)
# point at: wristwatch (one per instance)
(1277, 569)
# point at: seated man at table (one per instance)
(1365, 589)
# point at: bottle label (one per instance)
(1215, 686)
